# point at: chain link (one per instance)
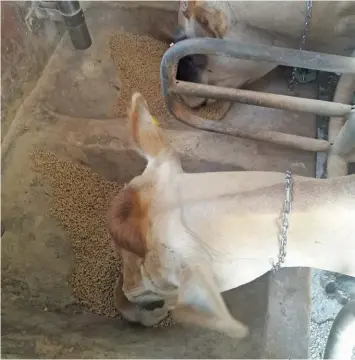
(285, 222)
(303, 40)
(288, 179)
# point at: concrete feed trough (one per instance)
(61, 100)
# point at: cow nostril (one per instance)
(153, 305)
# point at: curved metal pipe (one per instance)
(281, 56)
(341, 339)
(229, 48)
(337, 163)
(345, 141)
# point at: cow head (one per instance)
(155, 271)
(216, 19)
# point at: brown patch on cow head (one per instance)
(213, 21)
(127, 222)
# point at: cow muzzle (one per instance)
(190, 68)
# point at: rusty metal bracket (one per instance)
(281, 56)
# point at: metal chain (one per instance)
(305, 77)
(288, 179)
(303, 40)
(285, 222)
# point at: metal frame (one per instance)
(339, 147)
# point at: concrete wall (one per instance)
(24, 55)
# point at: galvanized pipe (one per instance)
(341, 339)
(275, 101)
(282, 56)
(74, 19)
(229, 48)
(343, 94)
(337, 164)
(288, 140)
(345, 141)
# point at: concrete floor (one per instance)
(70, 112)
(325, 308)
(324, 311)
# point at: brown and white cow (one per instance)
(275, 23)
(185, 238)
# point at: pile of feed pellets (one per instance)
(80, 197)
(79, 202)
(137, 59)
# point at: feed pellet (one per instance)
(79, 202)
(137, 59)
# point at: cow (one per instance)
(327, 27)
(185, 238)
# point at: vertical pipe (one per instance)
(345, 141)
(337, 165)
(74, 19)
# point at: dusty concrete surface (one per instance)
(24, 54)
(70, 112)
(330, 291)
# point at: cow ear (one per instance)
(211, 20)
(200, 303)
(146, 133)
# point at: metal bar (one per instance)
(293, 141)
(345, 141)
(281, 56)
(343, 94)
(288, 140)
(74, 19)
(341, 342)
(276, 101)
(337, 164)
(289, 57)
